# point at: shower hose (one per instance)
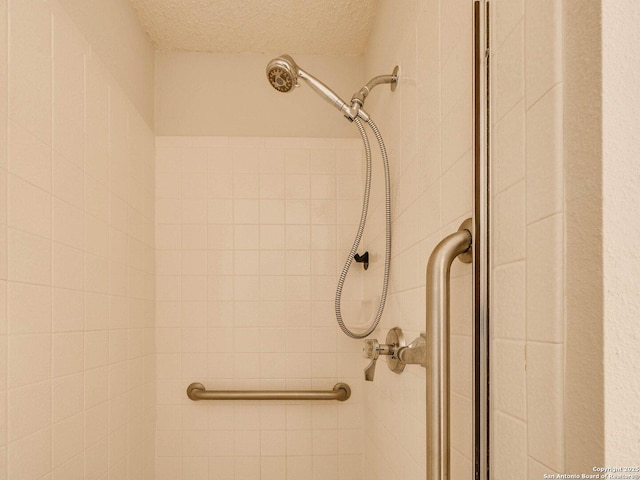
(358, 238)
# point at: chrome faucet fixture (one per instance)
(398, 353)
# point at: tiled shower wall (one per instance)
(528, 324)
(77, 385)
(427, 125)
(251, 234)
(428, 122)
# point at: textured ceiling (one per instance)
(325, 27)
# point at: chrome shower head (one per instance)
(282, 73)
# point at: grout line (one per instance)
(4, 200)
(511, 109)
(546, 217)
(542, 96)
(51, 243)
(531, 457)
(510, 415)
(524, 247)
(521, 18)
(500, 266)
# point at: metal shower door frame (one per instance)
(470, 244)
(481, 222)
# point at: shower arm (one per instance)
(357, 100)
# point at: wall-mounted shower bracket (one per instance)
(398, 353)
(364, 259)
(359, 97)
(467, 256)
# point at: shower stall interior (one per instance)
(169, 220)
(431, 349)
(166, 226)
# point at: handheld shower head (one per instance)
(283, 73)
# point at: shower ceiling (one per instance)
(325, 27)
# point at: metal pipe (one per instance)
(437, 319)
(340, 392)
(381, 79)
(363, 93)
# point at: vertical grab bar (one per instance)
(437, 320)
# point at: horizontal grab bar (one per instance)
(340, 392)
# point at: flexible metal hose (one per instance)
(363, 219)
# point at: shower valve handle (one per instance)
(398, 353)
(373, 349)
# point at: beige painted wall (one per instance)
(112, 29)
(584, 400)
(621, 197)
(229, 95)
(603, 303)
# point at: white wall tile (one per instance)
(261, 278)
(545, 404)
(507, 14)
(67, 397)
(545, 180)
(68, 310)
(30, 92)
(457, 189)
(509, 74)
(68, 181)
(511, 448)
(29, 359)
(68, 89)
(28, 410)
(97, 122)
(68, 224)
(29, 157)
(29, 258)
(28, 308)
(455, 18)
(509, 301)
(520, 195)
(510, 225)
(508, 153)
(537, 470)
(100, 222)
(67, 439)
(543, 47)
(528, 297)
(545, 280)
(22, 463)
(510, 386)
(29, 207)
(456, 132)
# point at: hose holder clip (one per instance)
(364, 258)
